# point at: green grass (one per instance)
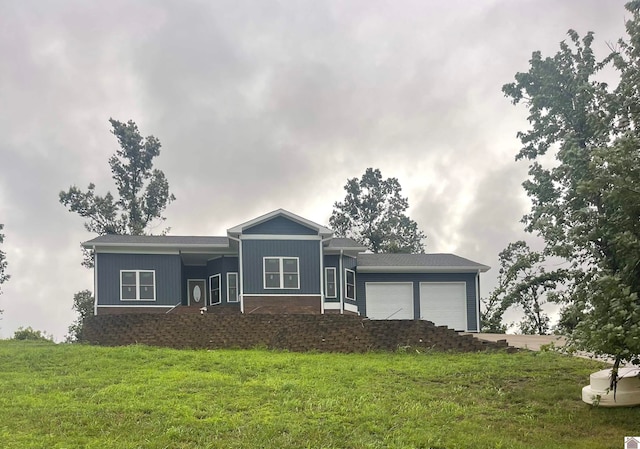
(68, 396)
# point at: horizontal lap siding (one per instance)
(168, 275)
(280, 226)
(307, 251)
(416, 278)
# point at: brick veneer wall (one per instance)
(326, 333)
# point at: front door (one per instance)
(197, 293)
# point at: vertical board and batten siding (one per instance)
(221, 265)
(307, 252)
(416, 279)
(168, 277)
(280, 226)
(333, 261)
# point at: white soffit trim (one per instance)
(418, 269)
(135, 305)
(137, 250)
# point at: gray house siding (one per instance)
(416, 278)
(334, 262)
(168, 277)
(280, 226)
(307, 252)
(222, 266)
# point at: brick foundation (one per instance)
(325, 333)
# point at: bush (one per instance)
(31, 334)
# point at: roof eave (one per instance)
(421, 269)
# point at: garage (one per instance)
(444, 303)
(389, 300)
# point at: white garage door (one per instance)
(444, 303)
(389, 300)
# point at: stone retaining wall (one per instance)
(325, 333)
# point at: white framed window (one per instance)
(232, 287)
(350, 284)
(281, 273)
(137, 285)
(330, 282)
(214, 289)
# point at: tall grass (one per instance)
(69, 396)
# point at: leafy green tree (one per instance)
(586, 199)
(31, 334)
(4, 277)
(491, 314)
(143, 192)
(525, 283)
(373, 213)
(83, 306)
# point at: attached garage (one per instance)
(442, 288)
(389, 300)
(444, 303)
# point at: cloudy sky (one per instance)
(262, 105)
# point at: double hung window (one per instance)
(281, 273)
(350, 284)
(330, 282)
(137, 285)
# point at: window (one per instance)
(350, 284)
(137, 285)
(232, 287)
(214, 289)
(281, 272)
(330, 282)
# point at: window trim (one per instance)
(211, 303)
(280, 260)
(236, 285)
(138, 286)
(326, 282)
(346, 284)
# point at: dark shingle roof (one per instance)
(158, 240)
(344, 243)
(418, 261)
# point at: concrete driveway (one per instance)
(531, 342)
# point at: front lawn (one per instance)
(68, 396)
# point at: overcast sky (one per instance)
(262, 105)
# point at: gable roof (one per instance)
(158, 241)
(322, 230)
(417, 263)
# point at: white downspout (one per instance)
(95, 281)
(478, 301)
(341, 285)
(322, 273)
(241, 279)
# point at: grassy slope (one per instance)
(62, 396)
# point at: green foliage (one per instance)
(373, 214)
(31, 334)
(143, 192)
(83, 306)
(128, 397)
(586, 202)
(525, 283)
(4, 277)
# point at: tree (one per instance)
(586, 203)
(143, 192)
(143, 195)
(4, 277)
(373, 214)
(524, 282)
(83, 306)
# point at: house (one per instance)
(281, 263)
